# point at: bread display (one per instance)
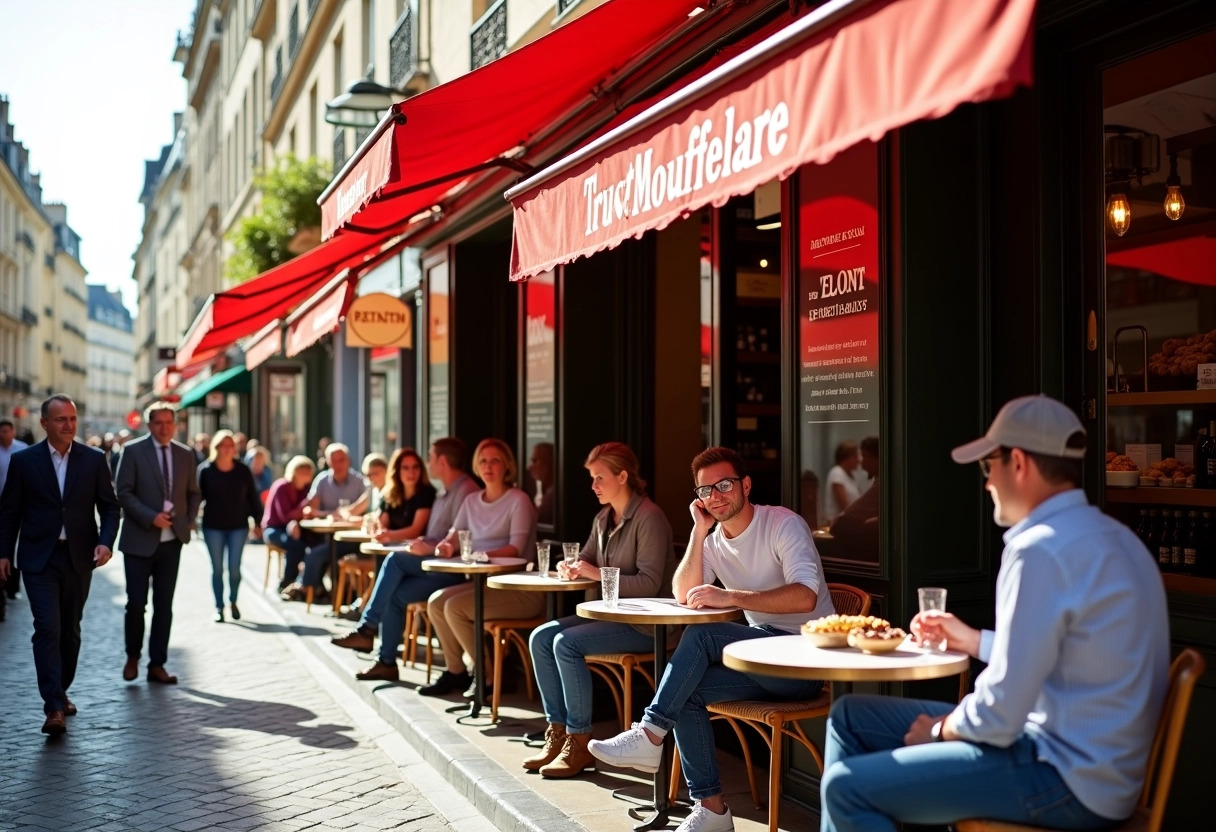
(1181, 357)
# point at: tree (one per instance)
(289, 206)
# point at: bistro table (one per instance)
(658, 612)
(536, 582)
(329, 526)
(478, 572)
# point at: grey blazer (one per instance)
(139, 484)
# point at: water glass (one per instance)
(542, 558)
(344, 509)
(466, 545)
(932, 598)
(369, 524)
(570, 554)
(610, 584)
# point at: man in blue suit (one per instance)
(55, 492)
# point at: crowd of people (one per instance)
(1057, 730)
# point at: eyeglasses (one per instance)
(986, 462)
(725, 486)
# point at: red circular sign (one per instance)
(134, 419)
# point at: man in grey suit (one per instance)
(158, 490)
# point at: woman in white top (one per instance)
(842, 488)
(503, 522)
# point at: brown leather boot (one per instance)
(573, 760)
(555, 738)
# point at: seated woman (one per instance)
(284, 510)
(502, 519)
(632, 533)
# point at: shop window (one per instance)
(540, 399)
(286, 387)
(438, 343)
(839, 357)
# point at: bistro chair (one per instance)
(777, 720)
(617, 670)
(506, 633)
(416, 619)
(1150, 811)
(355, 577)
(278, 553)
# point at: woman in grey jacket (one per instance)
(632, 533)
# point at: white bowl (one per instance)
(1122, 479)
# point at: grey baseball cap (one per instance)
(1038, 424)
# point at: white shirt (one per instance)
(775, 550)
(166, 534)
(832, 506)
(5, 455)
(60, 461)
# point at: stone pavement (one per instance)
(256, 735)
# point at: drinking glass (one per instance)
(369, 524)
(466, 545)
(610, 582)
(932, 598)
(542, 558)
(570, 555)
(344, 509)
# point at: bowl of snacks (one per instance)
(1121, 471)
(877, 639)
(833, 631)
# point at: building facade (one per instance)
(111, 339)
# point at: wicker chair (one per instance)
(777, 720)
(505, 633)
(277, 553)
(356, 574)
(416, 619)
(617, 670)
(1150, 811)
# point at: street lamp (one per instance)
(361, 105)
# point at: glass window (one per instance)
(540, 410)
(839, 355)
(438, 310)
(286, 416)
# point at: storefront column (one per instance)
(350, 396)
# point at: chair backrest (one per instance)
(849, 600)
(1184, 673)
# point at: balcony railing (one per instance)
(340, 156)
(276, 83)
(49, 260)
(361, 134)
(402, 57)
(488, 40)
(28, 316)
(293, 31)
(25, 239)
(564, 6)
(72, 328)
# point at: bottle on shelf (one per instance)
(1190, 545)
(1205, 459)
(1176, 542)
(1144, 529)
(1165, 534)
(1154, 532)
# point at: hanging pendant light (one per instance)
(1119, 210)
(1174, 203)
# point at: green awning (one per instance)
(232, 380)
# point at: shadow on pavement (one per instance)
(256, 627)
(271, 718)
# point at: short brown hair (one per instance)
(712, 456)
(453, 450)
(619, 457)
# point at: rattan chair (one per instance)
(505, 633)
(617, 670)
(356, 573)
(277, 553)
(416, 619)
(1150, 812)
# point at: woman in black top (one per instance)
(405, 504)
(230, 498)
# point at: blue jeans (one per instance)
(294, 549)
(558, 652)
(695, 678)
(871, 779)
(217, 541)
(400, 582)
(316, 561)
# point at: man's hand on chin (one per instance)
(102, 555)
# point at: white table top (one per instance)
(536, 582)
(352, 536)
(794, 657)
(456, 565)
(371, 547)
(655, 611)
(329, 525)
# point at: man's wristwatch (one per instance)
(936, 731)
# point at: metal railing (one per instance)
(276, 83)
(488, 39)
(565, 5)
(28, 316)
(340, 156)
(402, 56)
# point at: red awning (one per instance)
(844, 73)
(1191, 259)
(245, 309)
(265, 344)
(319, 315)
(435, 143)
(165, 381)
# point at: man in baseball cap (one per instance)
(1077, 671)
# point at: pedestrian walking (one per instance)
(158, 490)
(56, 493)
(230, 499)
(9, 445)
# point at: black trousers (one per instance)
(158, 572)
(56, 597)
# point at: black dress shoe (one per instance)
(236, 612)
(69, 707)
(446, 683)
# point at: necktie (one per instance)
(164, 455)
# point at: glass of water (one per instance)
(932, 598)
(610, 583)
(542, 558)
(570, 556)
(466, 545)
(344, 509)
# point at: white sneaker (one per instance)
(632, 749)
(701, 819)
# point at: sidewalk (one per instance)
(482, 760)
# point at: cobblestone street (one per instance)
(252, 737)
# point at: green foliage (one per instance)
(289, 203)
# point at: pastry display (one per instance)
(1119, 462)
(1181, 357)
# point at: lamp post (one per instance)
(361, 105)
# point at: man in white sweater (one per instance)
(767, 564)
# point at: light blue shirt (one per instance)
(330, 491)
(447, 504)
(5, 455)
(1080, 658)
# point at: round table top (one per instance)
(822, 534)
(536, 582)
(352, 536)
(371, 547)
(655, 611)
(456, 565)
(794, 657)
(329, 525)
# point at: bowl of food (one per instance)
(833, 631)
(877, 639)
(1122, 479)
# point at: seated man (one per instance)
(1058, 729)
(400, 580)
(766, 560)
(333, 485)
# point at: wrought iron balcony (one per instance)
(25, 239)
(276, 83)
(49, 260)
(29, 316)
(565, 5)
(340, 156)
(402, 54)
(489, 36)
(293, 31)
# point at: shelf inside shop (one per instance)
(748, 409)
(1158, 496)
(758, 357)
(1190, 584)
(1164, 397)
(744, 300)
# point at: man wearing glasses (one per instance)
(766, 561)
(1057, 730)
